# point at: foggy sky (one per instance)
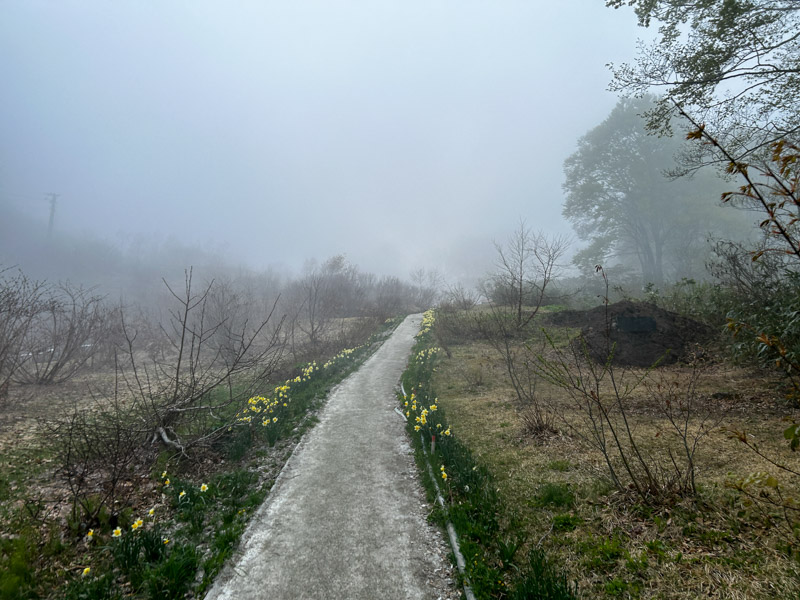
(403, 134)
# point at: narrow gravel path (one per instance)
(346, 518)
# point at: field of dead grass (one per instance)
(713, 545)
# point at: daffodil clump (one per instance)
(344, 354)
(422, 417)
(268, 412)
(428, 318)
(472, 498)
(145, 541)
(426, 354)
(420, 409)
(272, 412)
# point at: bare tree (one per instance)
(182, 398)
(458, 297)
(427, 284)
(390, 296)
(62, 335)
(525, 267)
(334, 289)
(314, 302)
(20, 300)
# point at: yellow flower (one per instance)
(166, 483)
(181, 495)
(136, 524)
(203, 487)
(117, 532)
(274, 419)
(163, 475)
(444, 475)
(416, 427)
(433, 408)
(90, 534)
(447, 431)
(166, 540)
(86, 571)
(151, 512)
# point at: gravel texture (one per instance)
(347, 516)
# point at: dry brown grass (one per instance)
(709, 546)
(28, 407)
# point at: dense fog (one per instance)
(402, 135)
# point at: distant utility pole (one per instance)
(52, 198)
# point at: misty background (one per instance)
(267, 134)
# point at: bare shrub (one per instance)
(20, 300)
(526, 268)
(185, 398)
(96, 452)
(62, 336)
(600, 397)
(521, 361)
(691, 419)
(457, 297)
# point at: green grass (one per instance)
(543, 581)
(488, 532)
(559, 465)
(566, 522)
(195, 530)
(556, 495)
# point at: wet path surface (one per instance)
(346, 518)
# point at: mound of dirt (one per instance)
(641, 333)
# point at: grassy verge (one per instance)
(499, 561)
(720, 543)
(184, 517)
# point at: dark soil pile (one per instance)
(641, 333)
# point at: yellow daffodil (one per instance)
(416, 427)
(136, 524)
(181, 495)
(86, 571)
(203, 487)
(116, 533)
(166, 540)
(444, 475)
(151, 512)
(166, 483)
(90, 535)
(164, 475)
